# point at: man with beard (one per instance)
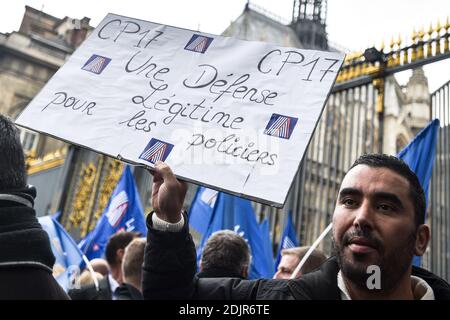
(378, 226)
(379, 221)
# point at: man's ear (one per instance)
(245, 272)
(422, 239)
(200, 265)
(119, 256)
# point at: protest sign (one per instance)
(229, 114)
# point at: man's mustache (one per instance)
(365, 236)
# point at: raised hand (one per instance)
(167, 193)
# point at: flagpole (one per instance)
(308, 253)
(91, 270)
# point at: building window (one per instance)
(29, 139)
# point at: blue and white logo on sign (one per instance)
(198, 43)
(156, 150)
(96, 64)
(280, 126)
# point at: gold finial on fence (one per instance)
(365, 68)
(392, 44)
(421, 33)
(420, 36)
(348, 58)
(400, 54)
(394, 54)
(414, 49)
(382, 46)
(429, 48)
(344, 72)
(399, 40)
(430, 31)
(438, 37)
(446, 35)
(351, 72)
(439, 27)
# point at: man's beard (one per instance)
(393, 262)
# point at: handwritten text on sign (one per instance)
(230, 114)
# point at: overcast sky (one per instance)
(352, 24)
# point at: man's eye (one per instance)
(385, 207)
(349, 202)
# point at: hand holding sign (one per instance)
(167, 193)
(232, 115)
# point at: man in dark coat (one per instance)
(378, 226)
(109, 284)
(26, 258)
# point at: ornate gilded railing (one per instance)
(95, 185)
(114, 171)
(51, 160)
(423, 47)
(79, 216)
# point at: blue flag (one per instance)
(201, 209)
(288, 239)
(419, 155)
(234, 213)
(267, 243)
(123, 213)
(68, 256)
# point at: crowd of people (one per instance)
(378, 226)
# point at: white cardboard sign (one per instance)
(229, 114)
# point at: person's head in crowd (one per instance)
(25, 246)
(225, 254)
(100, 265)
(132, 263)
(12, 160)
(291, 257)
(87, 279)
(379, 221)
(114, 251)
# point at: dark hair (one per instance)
(397, 165)
(118, 241)
(227, 250)
(12, 160)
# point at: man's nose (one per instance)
(364, 216)
(277, 275)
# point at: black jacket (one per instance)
(128, 292)
(169, 273)
(26, 258)
(218, 273)
(90, 292)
